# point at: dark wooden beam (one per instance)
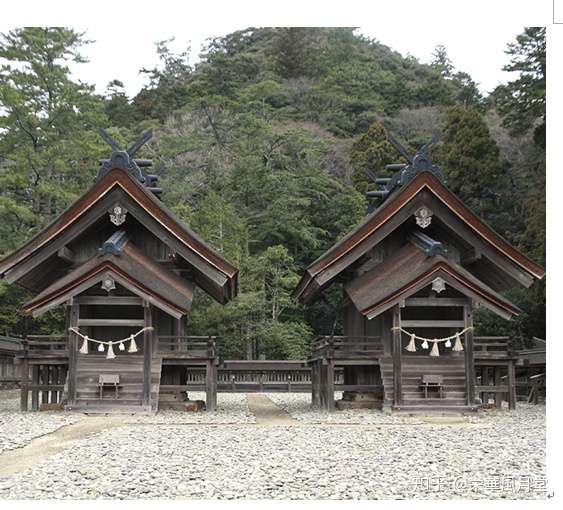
(211, 385)
(432, 324)
(24, 393)
(330, 404)
(468, 349)
(73, 321)
(112, 322)
(110, 300)
(498, 380)
(66, 254)
(511, 385)
(470, 256)
(435, 301)
(397, 361)
(147, 355)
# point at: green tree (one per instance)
(441, 61)
(522, 101)
(470, 159)
(371, 151)
(48, 145)
(168, 87)
(117, 106)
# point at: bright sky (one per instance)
(475, 32)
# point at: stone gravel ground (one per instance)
(231, 408)
(18, 429)
(497, 454)
(298, 405)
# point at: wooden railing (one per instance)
(485, 347)
(48, 345)
(184, 346)
(351, 347)
(188, 346)
(272, 380)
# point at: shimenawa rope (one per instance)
(411, 347)
(110, 343)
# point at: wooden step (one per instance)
(106, 409)
(110, 401)
(437, 409)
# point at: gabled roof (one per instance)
(411, 269)
(386, 219)
(129, 267)
(215, 274)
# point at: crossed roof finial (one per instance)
(125, 159)
(405, 171)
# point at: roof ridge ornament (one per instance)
(125, 160)
(420, 162)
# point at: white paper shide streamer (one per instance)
(434, 352)
(110, 343)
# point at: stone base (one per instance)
(52, 407)
(186, 405)
(341, 405)
(360, 400)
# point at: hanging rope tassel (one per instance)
(457, 345)
(132, 345)
(425, 344)
(435, 351)
(84, 348)
(412, 346)
(110, 354)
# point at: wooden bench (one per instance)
(433, 382)
(111, 380)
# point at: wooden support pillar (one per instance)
(74, 316)
(44, 382)
(211, 385)
(147, 356)
(35, 392)
(397, 358)
(498, 382)
(60, 381)
(511, 386)
(180, 331)
(322, 384)
(315, 397)
(469, 358)
(24, 393)
(330, 385)
(485, 381)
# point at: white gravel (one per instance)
(298, 405)
(491, 455)
(231, 408)
(18, 429)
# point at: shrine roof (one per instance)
(409, 270)
(385, 219)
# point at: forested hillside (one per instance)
(264, 143)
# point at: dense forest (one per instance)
(264, 142)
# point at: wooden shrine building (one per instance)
(413, 272)
(125, 268)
